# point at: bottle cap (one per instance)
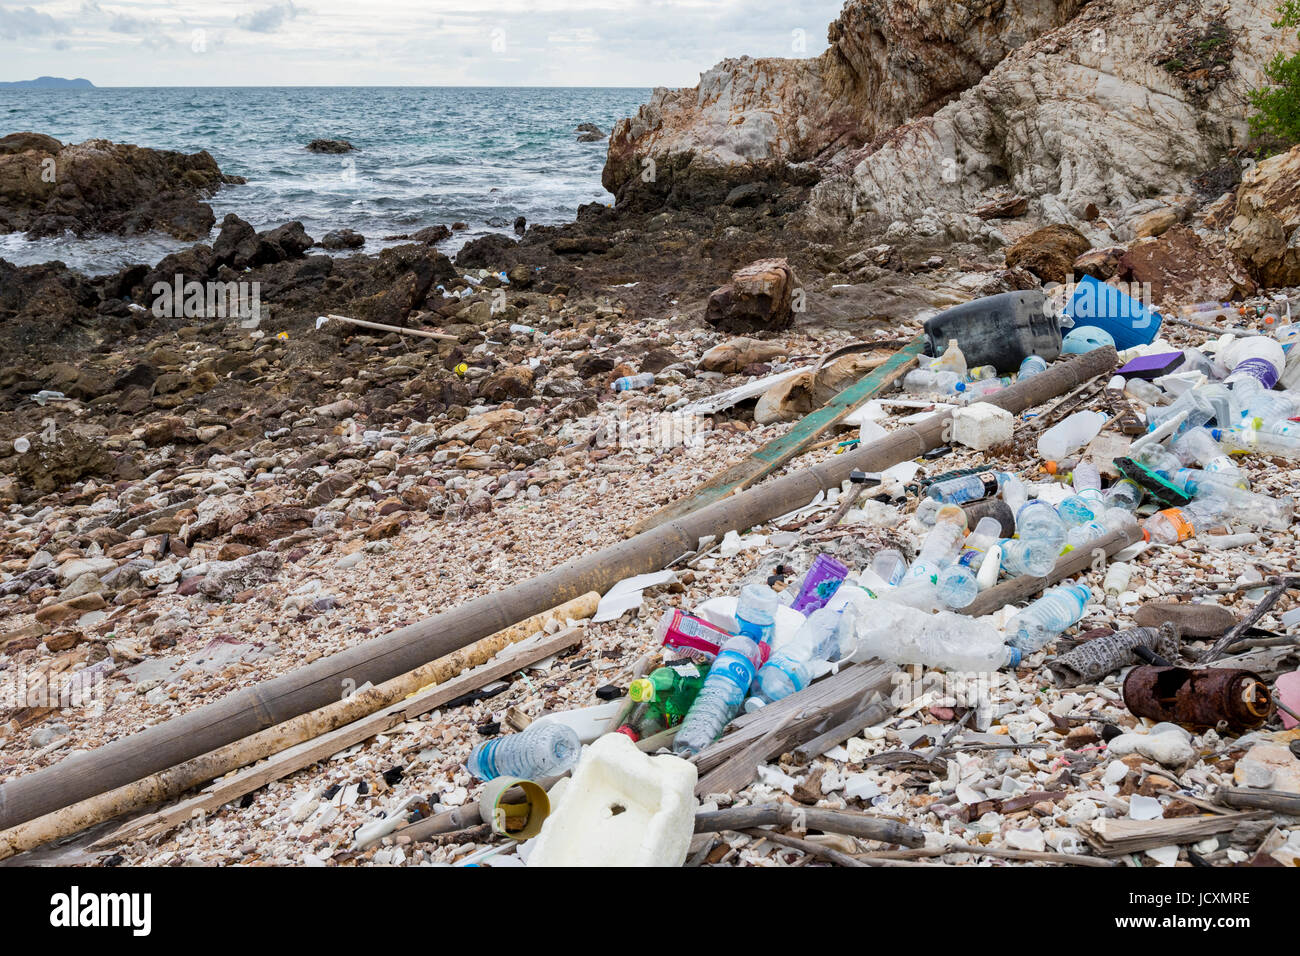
(641, 690)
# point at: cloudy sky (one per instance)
(399, 42)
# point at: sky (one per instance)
(637, 43)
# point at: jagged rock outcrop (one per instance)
(47, 188)
(782, 120)
(1265, 233)
(1101, 111)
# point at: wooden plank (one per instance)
(309, 752)
(804, 434)
(1118, 837)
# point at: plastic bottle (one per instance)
(1038, 520)
(982, 372)
(630, 382)
(1125, 493)
(1194, 403)
(1070, 435)
(1144, 391)
(890, 565)
(957, 586)
(1197, 446)
(1117, 579)
(1248, 507)
(956, 491)
(1087, 502)
(1257, 441)
(641, 719)
(969, 392)
(817, 585)
(1058, 609)
(1015, 494)
(544, 750)
(1178, 524)
(690, 636)
(1257, 356)
(1040, 534)
(721, 697)
(922, 380)
(941, 545)
(1031, 366)
(673, 688)
(952, 360)
(756, 612)
(1261, 406)
(790, 669)
(906, 635)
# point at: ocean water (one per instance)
(427, 155)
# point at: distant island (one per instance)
(48, 83)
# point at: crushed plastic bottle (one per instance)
(1197, 446)
(1031, 366)
(721, 697)
(790, 669)
(907, 635)
(1057, 610)
(889, 565)
(543, 750)
(1194, 403)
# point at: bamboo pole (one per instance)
(176, 780)
(252, 709)
(422, 333)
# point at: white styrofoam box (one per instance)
(981, 425)
(621, 808)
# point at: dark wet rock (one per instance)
(486, 252)
(342, 239)
(330, 146)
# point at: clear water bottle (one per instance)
(1029, 556)
(1174, 525)
(543, 750)
(721, 697)
(1081, 535)
(1256, 441)
(1248, 507)
(941, 545)
(1070, 435)
(1144, 391)
(907, 635)
(790, 669)
(630, 382)
(1197, 447)
(957, 586)
(1031, 366)
(1039, 521)
(1015, 494)
(924, 380)
(889, 565)
(1058, 609)
(756, 612)
(956, 491)
(981, 373)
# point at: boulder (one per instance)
(47, 188)
(1265, 233)
(342, 239)
(1099, 263)
(513, 382)
(735, 354)
(485, 252)
(330, 146)
(1050, 252)
(488, 425)
(1181, 267)
(757, 299)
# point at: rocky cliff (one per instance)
(920, 113)
(783, 120)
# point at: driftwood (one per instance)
(1003, 853)
(421, 333)
(806, 846)
(1245, 798)
(1246, 623)
(309, 752)
(1026, 586)
(809, 818)
(1118, 837)
(867, 717)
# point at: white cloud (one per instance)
(403, 42)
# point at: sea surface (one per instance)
(426, 155)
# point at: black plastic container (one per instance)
(998, 330)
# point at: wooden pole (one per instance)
(421, 333)
(282, 737)
(809, 818)
(247, 711)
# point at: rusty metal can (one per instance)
(1222, 698)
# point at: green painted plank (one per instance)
(777, 452)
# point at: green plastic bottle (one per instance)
(673, 688)
(641, 719)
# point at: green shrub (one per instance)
(1279, 105)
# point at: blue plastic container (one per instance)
(1127, 320)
